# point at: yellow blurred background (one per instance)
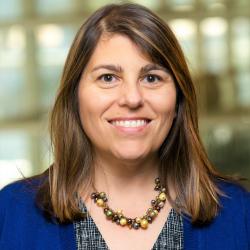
(35, 36)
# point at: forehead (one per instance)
(118, 48)
(115, 40)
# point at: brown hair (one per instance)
(184, 163)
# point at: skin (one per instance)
(125, 159)
(125, 94)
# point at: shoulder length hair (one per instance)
(184, 163)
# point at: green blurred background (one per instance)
(35, 36)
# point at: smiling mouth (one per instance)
(130, 123)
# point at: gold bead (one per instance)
(119, 211)
(149, 210)
(162, 196)
(138, 220)
(100, 202)
(152, 214)
(156, 212)
(123, 221)
(102, 195)
(144, 224)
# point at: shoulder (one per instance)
(18, 207)
(233, 190)
(235, 198)
(23, 189)
(18, 197)
(22, 223)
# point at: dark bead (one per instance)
(93, 195)
(136, 225)
(163, 190)
(149, 219)
(105, 210)
(153, 202)
(157, 188)
(96, 199)
(117, 221)
(129, 221)
(115, 217)
(158, 208)
(133, 222)
(157, 180)
(105, 199)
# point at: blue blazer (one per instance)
(23, 226)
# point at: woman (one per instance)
(129, 170)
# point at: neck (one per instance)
(129, 185)
(122, 175)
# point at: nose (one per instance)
(131, 95)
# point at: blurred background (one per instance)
(35, 36)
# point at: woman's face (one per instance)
(126, 102)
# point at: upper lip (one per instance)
(128, 119)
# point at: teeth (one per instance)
(128, 124)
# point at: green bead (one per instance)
(109, 214)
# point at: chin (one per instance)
(130, 154)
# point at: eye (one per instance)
(107, 78)
(151, 78)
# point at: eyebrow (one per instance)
(118, 69)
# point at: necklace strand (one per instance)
(100, 198)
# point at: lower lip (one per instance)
(131, 130)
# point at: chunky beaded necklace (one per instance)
(139, 222)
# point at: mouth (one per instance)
(130, 123)
(131, 126)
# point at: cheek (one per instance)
(86, 108)
(164, 103)
(167, 111)
(88, 111)
(92, 106)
